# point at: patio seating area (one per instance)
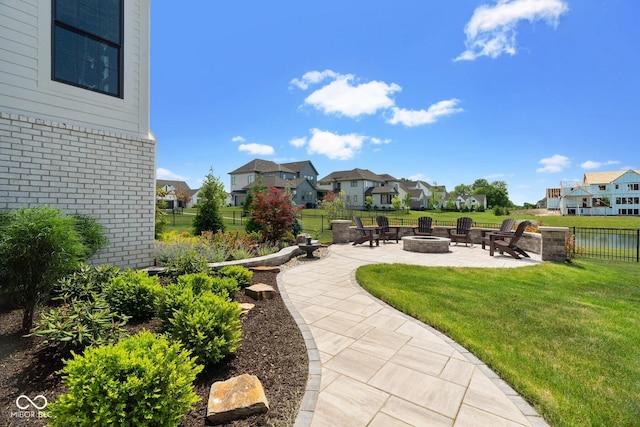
(372, 365)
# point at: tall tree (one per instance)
(210, 197)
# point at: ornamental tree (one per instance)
(275, 214)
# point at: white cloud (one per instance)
(492, 29)
(162, 173)
(257, 149)
(343, 95)
(298, 142)
(343, 98)
(555, 163)
(334, 146)
(378, 141)
(312, 77)
(420, 117)
(590, 164)
(238, 139)
(419, 177)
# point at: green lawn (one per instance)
(565, 336)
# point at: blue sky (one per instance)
(530, 92)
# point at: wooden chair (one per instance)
(367, 234)
(505, 229)
(424, 226)
(385, 230)
(462, 232)
(509, 243)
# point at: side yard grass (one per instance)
(565, 336)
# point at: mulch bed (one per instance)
(272, 349)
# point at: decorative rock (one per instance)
(246, 307)
(265, 268)
(236, 398)
(260, 291)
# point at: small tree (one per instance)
(211, 196)
(258, 187)
(38, 247)
(183, 197)
(334, 204)
(407, 202)
(368, 202)
(275, 213)
(396, 203)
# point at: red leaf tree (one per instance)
(275, 213)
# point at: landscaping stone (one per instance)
(246, 307)
(236, 398)
(260, 291)
(265, 268)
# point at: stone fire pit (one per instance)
(426, 244)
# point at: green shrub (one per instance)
(143, 380)
(267, 249)
(85, 283)
(241, 253)
(207, 324)
(133, 293)
(78, 324)
(91, 233)
(171, 298)
(241, 274)
(38, 246)
(201, 282)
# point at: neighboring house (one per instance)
(177, 194)
(74, 118)
(471, 201)
(357, 184)
(299, 178)
(601, 193)
(422, 193)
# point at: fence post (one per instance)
(553, 246)
(340, 228)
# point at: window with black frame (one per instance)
(87, 44)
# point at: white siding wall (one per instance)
(26, 87)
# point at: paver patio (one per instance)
(371, 365)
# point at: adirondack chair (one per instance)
(462, 232)
(505, 228)
(509, 243)
(367, 234)
(385, 231)
(424, 226)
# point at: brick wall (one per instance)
(110, 177)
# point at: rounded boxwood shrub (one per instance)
(133, 293)
(241, 274)
(202, 282)
(143, 380)
(207, 324)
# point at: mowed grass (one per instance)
(565, 336)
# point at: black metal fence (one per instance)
(607, 243)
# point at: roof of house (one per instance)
(178, 185)
(381, 189)
(604, 177)
(353, 174)
(298, 166)
(261, 166)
